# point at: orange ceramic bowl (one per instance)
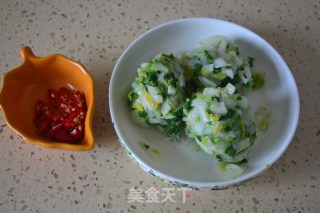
(24, 85)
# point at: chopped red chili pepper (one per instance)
(63, 117)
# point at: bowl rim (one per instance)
(197, 184)
(29, 57)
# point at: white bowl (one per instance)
(176, 162)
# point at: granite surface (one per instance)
(96, 32)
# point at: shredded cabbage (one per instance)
(217, 121)
(157, 94)
(218, 62)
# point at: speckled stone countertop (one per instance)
(96, 32)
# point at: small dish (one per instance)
(176, 162)
(24, 85)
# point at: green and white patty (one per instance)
(157, 94)
(218, 62)
(217, 120)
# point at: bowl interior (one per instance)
(177, 161)
(23, 86)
